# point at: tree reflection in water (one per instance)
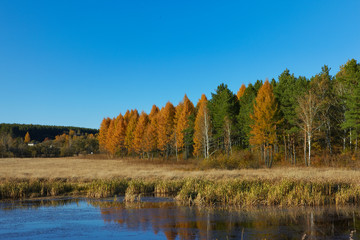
(184, 222)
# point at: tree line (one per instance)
(40, 132)
(16, 141)
(291, 119)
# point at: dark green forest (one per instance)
(40, 132)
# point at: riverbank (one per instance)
(196, 191)
(99, 178)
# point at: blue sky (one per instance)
(74, 62)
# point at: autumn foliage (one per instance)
(271, 120)
(202, 131)
(263, 132)
(27, 137)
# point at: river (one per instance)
(162, 218)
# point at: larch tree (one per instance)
(130, 130)
(177, 135)
(150, 139)
(166, 129)
(151, 134)
(103, 132)
(263, 133)
(202, 129)
(241, 91)
(127, 116)
(27, 137)
(118, 141)
(184, 130)
(140, 132)
(154, 111)
(110, 148)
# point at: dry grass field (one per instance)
(83, 169)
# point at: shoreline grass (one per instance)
(197, 191)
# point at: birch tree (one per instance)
(202, 132)
(309, 108)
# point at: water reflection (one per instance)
(167, 219)
(183, 222)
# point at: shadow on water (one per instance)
(167, 219)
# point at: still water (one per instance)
(162, 218)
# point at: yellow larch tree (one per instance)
(127, 116)
(177, 136)
(202, 129)
(183, 133)
(118, 138)
(110, 137)
(154, 111)
(241, 91)
(150, 136)
(263, 129)
(103, 131)
(27, 137)
(140, 132)
(130, 130)
(166, 128)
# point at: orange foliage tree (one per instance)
(130, 130)
(166, 128)
(263, 133)
(150, 136)
(183, 134)
(27, 137)
(241, 91)
(110, 148)
(103, 132)
(117, 138)
(140, 132)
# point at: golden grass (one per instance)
(83, 169)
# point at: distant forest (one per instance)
(293, 120)
(40, 132)
(26, 140)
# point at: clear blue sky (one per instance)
(75, 62)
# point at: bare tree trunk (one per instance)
(206, 135)
(204, 146)
(350, 140)
(230, 143)
(344, 141)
